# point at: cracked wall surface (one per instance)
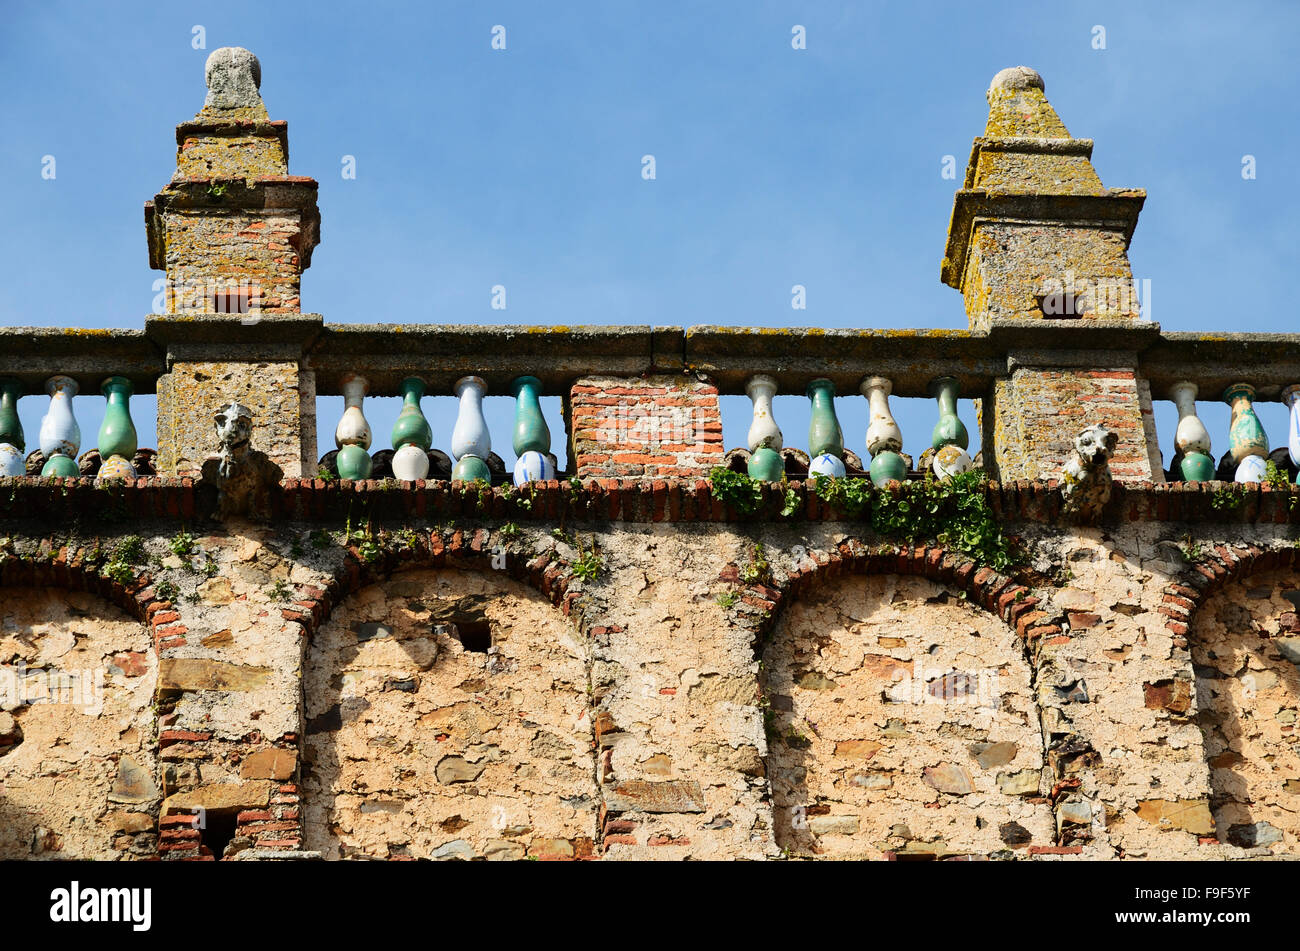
(418, 747)
(77, 733)
(692, 695)
(1245, 645)
(902, 721)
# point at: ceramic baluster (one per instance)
(60, 435)
(411, 434)
(470, 440)
(884, 438)
(765, 441)
(532, 437)
(352, 435)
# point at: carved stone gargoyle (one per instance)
(246, 479)
(1086, 479)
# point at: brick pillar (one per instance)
(652, 427)
(1039, 248)
(1032, 417)
(234, 232)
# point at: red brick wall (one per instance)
(653, 427)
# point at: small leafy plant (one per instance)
(758, 569)
(1226, 500)
(588, 565)
(736, 489)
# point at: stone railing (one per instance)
(642, 402)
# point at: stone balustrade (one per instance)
(642, 401)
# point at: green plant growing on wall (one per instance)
(1191, 549)
(325, 475)
(278, 591)
(319, 539)
(588, 565)
(130, 550)
(790, 503)
(736, 489)
(727, 599)
(953, 512)
(1275, 476)
(850, 496)
(757, 570)
(508, 530)
(1226, 500)
(182, 545)
(165, 590)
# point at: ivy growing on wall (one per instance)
(954, 512)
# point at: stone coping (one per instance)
(627, 500)
(559, 355)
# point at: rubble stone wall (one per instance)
(479, 688)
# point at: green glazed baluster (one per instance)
(824, 433)
(411, 428)
(531, 432)
(117, 433)
(825, 438)
(1246, 437)
(12, 442)
(949, 431)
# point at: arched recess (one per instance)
(447, 713)
(901, 715)
(1240, 610)
(78, 764)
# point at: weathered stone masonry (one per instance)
(621, 664)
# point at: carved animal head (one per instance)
(1095, 444)
(234, 423)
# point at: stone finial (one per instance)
(1016, 78)
(234, 77)
(1086, 481)
(1018, 107)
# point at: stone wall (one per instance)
(1245, 650)
(902, 720)
(78, 741)
(695, 688)
(447, 717)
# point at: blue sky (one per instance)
(522, 167)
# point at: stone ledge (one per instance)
(628, 500)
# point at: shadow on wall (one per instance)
(1245, 645)
(892, 701)
(447, 718)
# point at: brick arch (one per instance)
(1242, 683)
(1222, 565)
(453, 549)
(997, 593)
(75, 570)
(462, 554)
(851, 774)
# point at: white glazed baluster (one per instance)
(883, 434)
(353, 429)
(1191, 435)
(765, 441)
(763, 430)
(60, 434)
(470, 441)
(352, 434)
(1291, 397)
